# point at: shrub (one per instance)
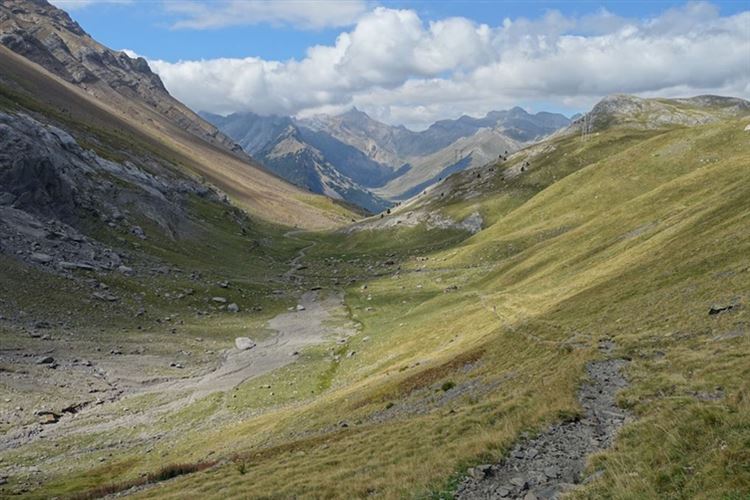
(447, 386)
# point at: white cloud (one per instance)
(402, 70)
(299, 13)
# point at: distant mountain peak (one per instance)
(357, 114)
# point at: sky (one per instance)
(414, 62)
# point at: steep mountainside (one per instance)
(377, 140)
(145, 124)
(48, 36)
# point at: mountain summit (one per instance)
(48, 36)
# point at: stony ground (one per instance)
(545, 466)
(304, 325)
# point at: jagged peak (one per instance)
(355, 114)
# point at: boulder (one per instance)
(41, 258)
(233, 308)
(716, 309)
(300, 307)
(45, 360)
(480, 471)
(138, 232)
(244, 343)
(219, 300)
(127, 271)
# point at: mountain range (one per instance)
(356, 158)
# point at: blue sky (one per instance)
(146, 27)
(412, 62)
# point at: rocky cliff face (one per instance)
(49, 37)
(52, 191)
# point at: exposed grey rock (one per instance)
(621, 109)
(546, 464)
(76, 265)
(127, 271)
(244, 343)
(105, 296)
(519, 482)
(55, 184)
(45, 360)
(138, 232)
(41, 258)
(300, 307)
(233, 308)
(219, 300)
(7, 198)
(717, 309)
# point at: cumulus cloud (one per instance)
(298, 13)
(402, 70)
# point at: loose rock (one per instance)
(244, 343)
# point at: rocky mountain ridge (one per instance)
(48, 36)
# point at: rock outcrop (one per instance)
(621, 109)
(52, 189)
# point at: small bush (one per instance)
(447, 386)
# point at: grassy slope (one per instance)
(635, 247)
